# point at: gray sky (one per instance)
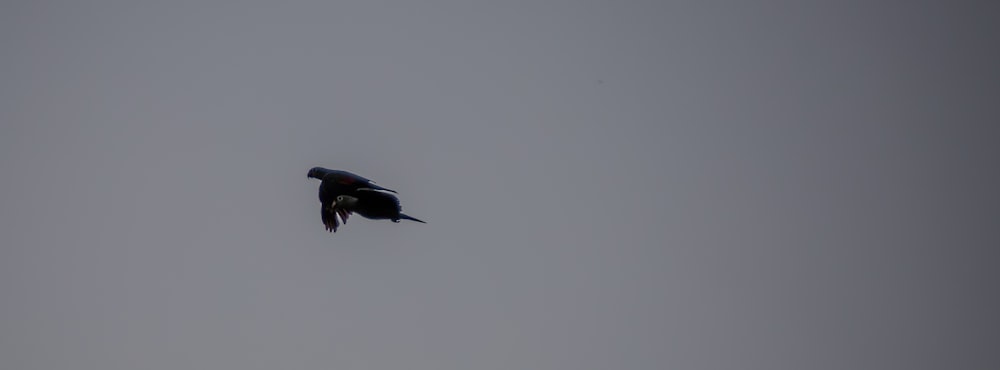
(608, 185)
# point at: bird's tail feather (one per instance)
(411, 218)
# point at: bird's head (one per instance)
(317, 172)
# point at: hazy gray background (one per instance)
(608, 185)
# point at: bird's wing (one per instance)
(377, 196)
(372, 186)
(349, 179)
(377, 204)
(329, 215)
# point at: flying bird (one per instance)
(371, 204)
(342, 193)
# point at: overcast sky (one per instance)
(607, 185)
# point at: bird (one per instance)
(371, 204)
(360, 195)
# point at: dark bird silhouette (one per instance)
(371, 204)
(360, 195)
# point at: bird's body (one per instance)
(374, 205)
(356, 194)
